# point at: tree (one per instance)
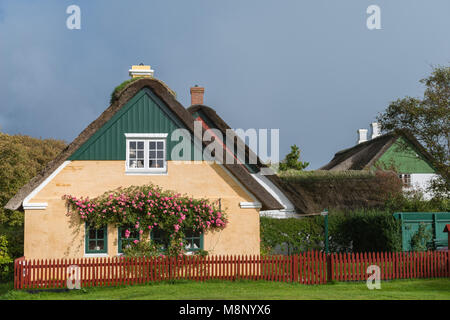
(21, 158)
(428, 119)
(292, 160)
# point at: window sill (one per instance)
(146, 173)
(95, 255)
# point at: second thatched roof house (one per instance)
(398, 151)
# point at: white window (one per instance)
(146, 153)
(406, 179)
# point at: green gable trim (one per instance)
(406, 158)
(144, 113)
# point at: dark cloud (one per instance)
(310, 68)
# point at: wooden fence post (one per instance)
(294, 271)
(329, 267)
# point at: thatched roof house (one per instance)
(398, 151)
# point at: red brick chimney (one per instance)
(197, 95)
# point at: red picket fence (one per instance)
(306, 268)
(393, 265)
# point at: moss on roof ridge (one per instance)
(296, 175)
(121, 87)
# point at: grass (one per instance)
(429, 289)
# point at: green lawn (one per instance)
(398, 289)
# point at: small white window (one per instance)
(406, 180)
(146, 153)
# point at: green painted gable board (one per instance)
(144, 113)
(406, 158)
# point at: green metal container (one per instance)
(434, 221)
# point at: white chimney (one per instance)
(362, 135)
(375, 129)
(141, 71)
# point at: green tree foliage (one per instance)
(292, 160)
(5, 259)
(428, 119)
(21, 158)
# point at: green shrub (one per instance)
(421, 240)
(364, 231)
(6, 262)
(355, 231)
(296, 235)
(414, 202)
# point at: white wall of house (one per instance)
(421, 181)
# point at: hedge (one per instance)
(356, 231)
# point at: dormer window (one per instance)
(146, 153)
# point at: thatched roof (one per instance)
(165, 94)
(364, 155)
(313, 191)
(220, 124)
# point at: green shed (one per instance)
(434, 221)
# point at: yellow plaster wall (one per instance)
(51, 233)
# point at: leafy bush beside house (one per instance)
(290, 235)
(21, 158)
(355, 231)
(5, 260)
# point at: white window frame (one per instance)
(405, 177)
(147, 138)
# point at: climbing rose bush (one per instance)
(148, 207)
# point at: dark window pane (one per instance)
(92, 245)
(92, 233)
(140, 154)
(160, 154)
(133, 144)
(140, 145)
(100, 245)
(152, 154)
(196, 243)
(100, 234)
(134, 234)
(160, 145)
(152, 145)
(160, 164)
(152, 164)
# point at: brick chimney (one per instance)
(197, 95)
